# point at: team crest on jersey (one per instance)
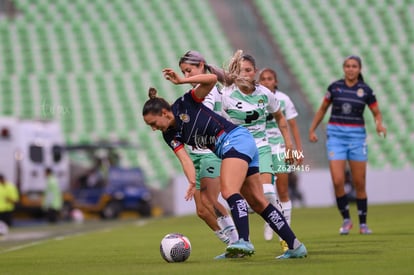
(360, 92)
(184, 118)
(260, 103)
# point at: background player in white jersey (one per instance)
(268, 78)
(246, 103)
(206, 163)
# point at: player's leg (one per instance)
(253, 191)
(282, 187)
(358, 165)
(337, 155)
(210, 189)
(266, 173)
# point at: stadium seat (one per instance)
(375, 30)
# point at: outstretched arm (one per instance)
(205, 82)
(189, 171)
(317, 119)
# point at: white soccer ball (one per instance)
(175, 247)
(4, 229)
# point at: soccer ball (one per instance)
(175, 247)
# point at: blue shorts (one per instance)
(239, 143)
(342, 149)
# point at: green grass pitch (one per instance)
(132, 246)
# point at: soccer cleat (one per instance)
(284, 246)
(299, 252)
(364, 230)
(268, 232)
(227, 255)
(346, 227)
(241, 247)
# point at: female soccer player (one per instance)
(268, 78)
(206, 163)
(246, 103)
(346, 137)
(188, 121)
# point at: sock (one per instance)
(287, 212)
(228, 228)
(343, 206)
(362, 205)
(238, 208)
(270, 193)
(278, 223)
(222, 237)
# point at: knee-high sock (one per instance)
(287, 212)
(228, 227)
(238, 208)
(362, 206)
(278, 223)
(270, 193)
(343, 206)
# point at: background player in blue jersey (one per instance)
(346, 137)
(188, 121)
(206, 163)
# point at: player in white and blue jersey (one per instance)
(247, 103)
(346, 137)
(188, 121)
(268, 78)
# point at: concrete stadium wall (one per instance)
(383, 187)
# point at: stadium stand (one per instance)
(315, 36)
(89, 64)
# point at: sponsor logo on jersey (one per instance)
(346, 108)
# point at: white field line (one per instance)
(61, 237)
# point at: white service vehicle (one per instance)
(27, 147)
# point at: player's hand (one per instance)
(190, 192)
(299, 157)
(313, 137)
(381, 130)
(172, 76)
(289, 155)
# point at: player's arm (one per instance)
(189, 172)
(296, 137)
(317, 119)
(381, 130)
(205, 82)
(284, 130)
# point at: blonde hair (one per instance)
(233, 71)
